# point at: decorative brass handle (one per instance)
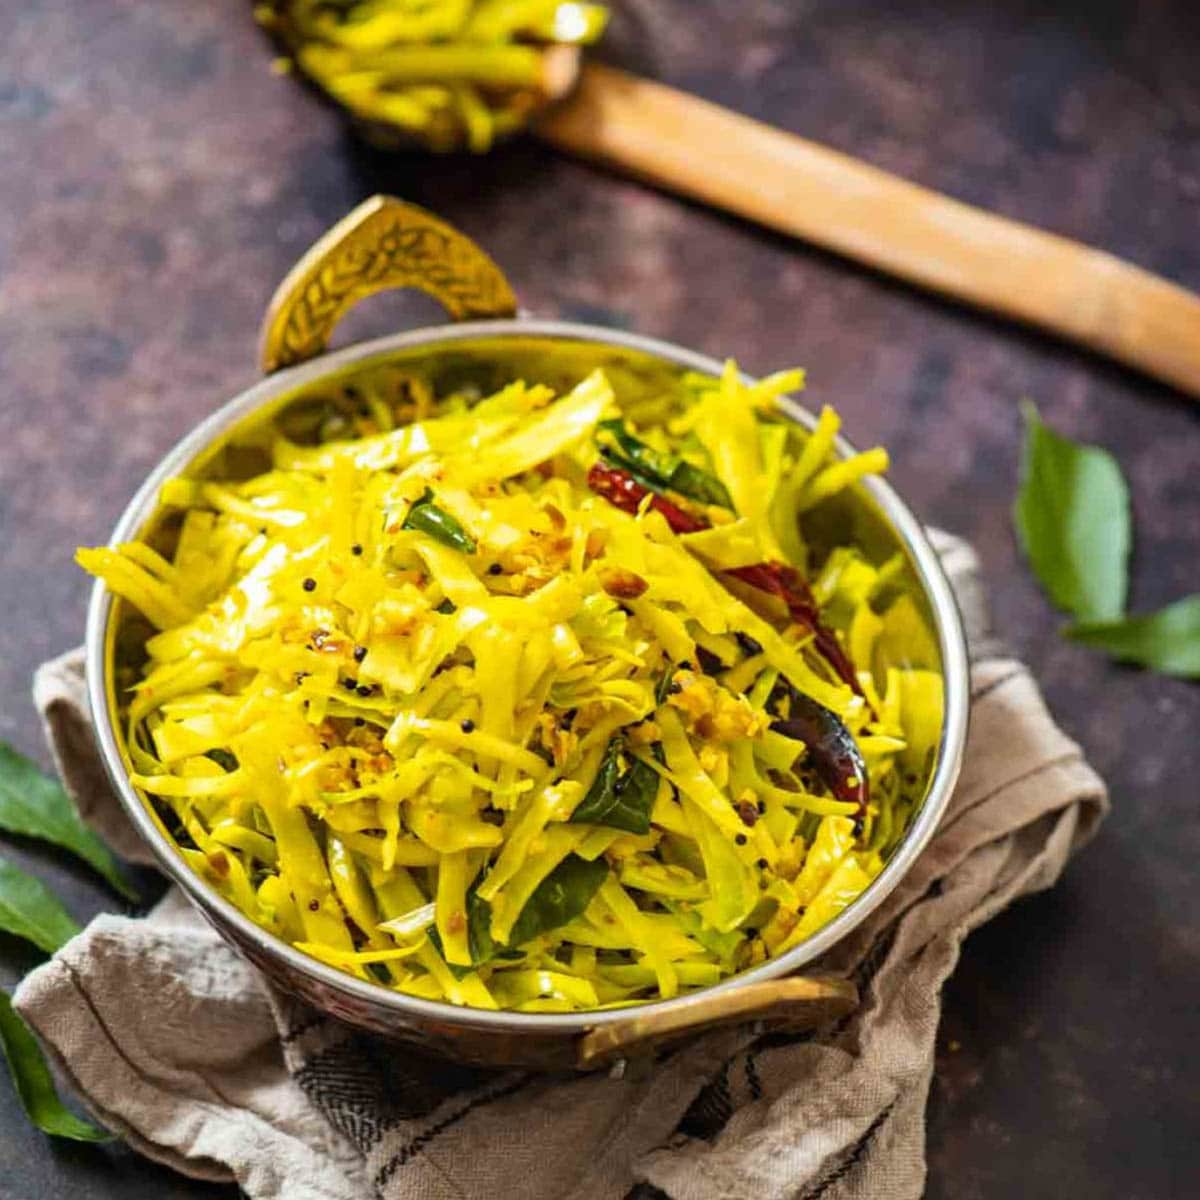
(384, 243)
(793, 1004)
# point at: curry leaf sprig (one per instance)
(1167, 641)
(1073, 523)
(32, 805)
(29, 910)
(34, 1085)
(1072, 517)
(35, 806)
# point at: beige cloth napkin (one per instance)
(177, 1044)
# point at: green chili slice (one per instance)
(426, 517)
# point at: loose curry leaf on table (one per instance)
(34, 1085)
(1072, 519)
(29, 910)
(33, 805)
(1072, 516)
(1166, 641)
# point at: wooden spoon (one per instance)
(802, 188)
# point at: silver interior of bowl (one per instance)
(189, 456)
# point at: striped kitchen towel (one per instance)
(178, 1045)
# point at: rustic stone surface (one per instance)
(157, 181)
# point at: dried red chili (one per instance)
(831, 748)
(620, 489)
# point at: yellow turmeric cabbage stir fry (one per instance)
(525, 700)
(454, 74)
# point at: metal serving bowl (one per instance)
(384, 244)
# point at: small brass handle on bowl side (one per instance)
(794, 1004)
(384, 243)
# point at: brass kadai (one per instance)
(385, 244)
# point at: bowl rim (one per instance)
(932, 577)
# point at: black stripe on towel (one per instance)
(366, 1086)
(852, 1158)
(753, 1082)
(497, 1091)
(995, 684)
(298, 1031)
(710, 1111)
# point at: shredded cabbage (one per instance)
(423, 700)
(456, 74)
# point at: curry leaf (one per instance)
(599, 794)
(619, 799)
(658, 469)
(663, 688)
(560, 897)
(33, 805)
(479, 933)
(1166, 641)
(31, 911)
(479, 925)
(1072, 519)
(699, 485)
(34, 1084)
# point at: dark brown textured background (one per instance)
(156, 181)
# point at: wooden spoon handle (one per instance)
(799, 187)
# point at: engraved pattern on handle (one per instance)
(795, 1003)
(384, 243)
